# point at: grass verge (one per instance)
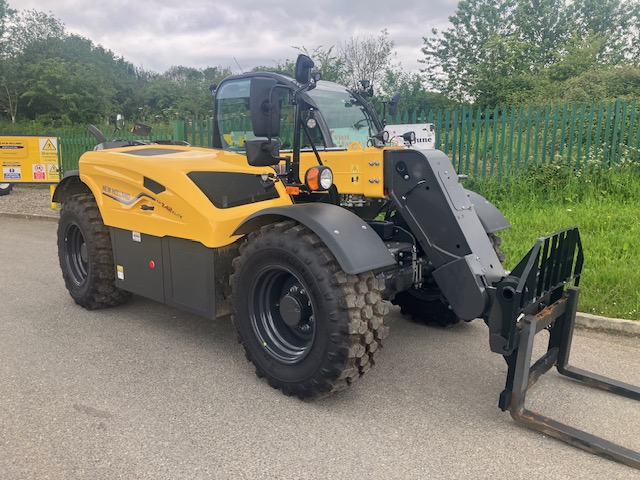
(603, 204)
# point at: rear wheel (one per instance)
(5, 188)
(86, 256)
(306, 325)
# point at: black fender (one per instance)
(491, 218)
(68, 186)
(355, 245)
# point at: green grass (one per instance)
(605, 205)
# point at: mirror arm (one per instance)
(313, 145)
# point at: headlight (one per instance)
(318, 178)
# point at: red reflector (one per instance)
(152, 264)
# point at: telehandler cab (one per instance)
(303, 222)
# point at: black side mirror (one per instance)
(119, 122)
(262, 153)
(393, 104)
(265, 108)
(304, 64)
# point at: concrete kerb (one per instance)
(30, 216)
(583, 320)
(614, 325)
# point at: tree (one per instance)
(366, 58)
(413, 95)
(19, 31)
(506, 50)
(31, 26)
(330, 66)
(182, 91)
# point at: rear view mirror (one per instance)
(304, 64)
(119, 122)
(393, 104)
(265, 108)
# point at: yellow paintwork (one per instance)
(182, 210)
(355, 171)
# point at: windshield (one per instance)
(345, 115)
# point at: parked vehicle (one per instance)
(304, 222)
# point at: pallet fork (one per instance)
(542, 293)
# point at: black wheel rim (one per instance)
(271, 288)
(76, 255)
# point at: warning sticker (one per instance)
(53, 173)
(120, 270)
(355, 174)
(39, 171)
(11, 173)
(136, 236)
(48, 149)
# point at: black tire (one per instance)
(307, 326)
(426, 305)
(86, 256)
(5, 189)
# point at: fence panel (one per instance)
(500, 141)
(480, 141)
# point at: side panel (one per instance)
(189, 276)
(354, 243)
(178, 272)
(139, 263)
(355, 171)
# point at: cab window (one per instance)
(234, 116)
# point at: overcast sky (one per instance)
(156, 34)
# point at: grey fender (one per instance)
(355, 245)
(69, 185)
(491, 218)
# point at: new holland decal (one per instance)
(127, 199)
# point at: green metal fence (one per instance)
(499, 141)
(480, 141)
(72, 146)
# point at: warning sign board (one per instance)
(29, 159)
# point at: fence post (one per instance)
(581, 126)
(632, 120)
(571, 132)
(614, 139)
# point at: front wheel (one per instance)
(306, 325)
(86, 256)
(426, 304)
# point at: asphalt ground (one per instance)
(146, 391)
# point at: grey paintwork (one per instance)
(355, 245)
(491, 218)
(429, 196)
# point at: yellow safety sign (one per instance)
(355, 174)
(29, 159)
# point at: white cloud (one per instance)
(157, 34)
